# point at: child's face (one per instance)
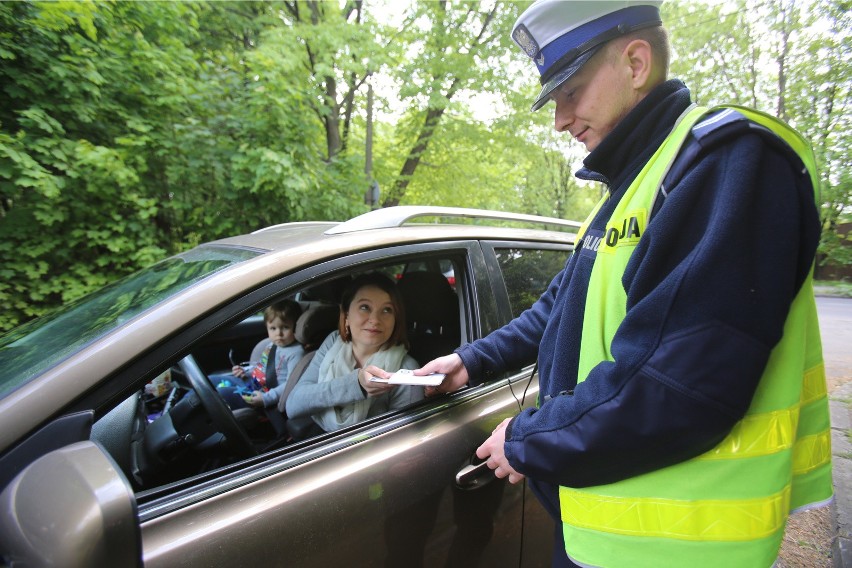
(282, 333)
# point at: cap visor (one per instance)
(561, 76)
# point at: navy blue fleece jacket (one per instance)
(708, 290)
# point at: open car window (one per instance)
(180, 426)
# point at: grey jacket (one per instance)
(310, 396)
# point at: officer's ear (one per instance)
(639, 58)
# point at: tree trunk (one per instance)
(433, 117)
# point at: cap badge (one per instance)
(524, 39)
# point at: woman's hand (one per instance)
(450, 365)
(373, 388)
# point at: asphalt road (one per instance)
(835, 322)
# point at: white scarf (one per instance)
(340, 361)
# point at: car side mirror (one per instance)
(71, 507)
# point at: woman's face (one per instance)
(370, 318)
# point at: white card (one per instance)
(407, 377)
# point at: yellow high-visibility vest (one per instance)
(729, 506)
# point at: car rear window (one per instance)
(527, 273)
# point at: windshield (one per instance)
(36, 346)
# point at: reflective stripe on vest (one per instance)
(730, 504)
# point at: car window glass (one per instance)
(527, 273)
(36, 346)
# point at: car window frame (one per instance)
(161, 499)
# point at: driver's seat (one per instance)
(432, 312)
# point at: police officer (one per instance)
(682, 411)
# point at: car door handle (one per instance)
(474, 475)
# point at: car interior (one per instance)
(179, 426)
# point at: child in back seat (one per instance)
(262, 386)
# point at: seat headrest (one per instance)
(427, 296)
(328, 292)
(316, 322)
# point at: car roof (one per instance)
(377, 224)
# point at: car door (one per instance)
(400, 490)
(388, 493)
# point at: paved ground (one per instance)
(822, 538)
(841, 449)
(836, 327)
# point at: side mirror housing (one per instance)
(72, 507)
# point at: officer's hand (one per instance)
(492, 452)
(450, 365)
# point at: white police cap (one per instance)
(561, 35)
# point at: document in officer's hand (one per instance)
(407, 377)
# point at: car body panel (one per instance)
(369, 477)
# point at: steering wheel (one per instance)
(235, 437)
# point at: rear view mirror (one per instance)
(71, 507)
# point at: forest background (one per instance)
(130, 131)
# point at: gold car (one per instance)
(117, 450)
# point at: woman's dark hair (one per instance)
(385, 284)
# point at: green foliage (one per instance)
(788, 58)
(133, 130)
(75, 211)
(466, 165)
(456, 49)
(130, 131)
